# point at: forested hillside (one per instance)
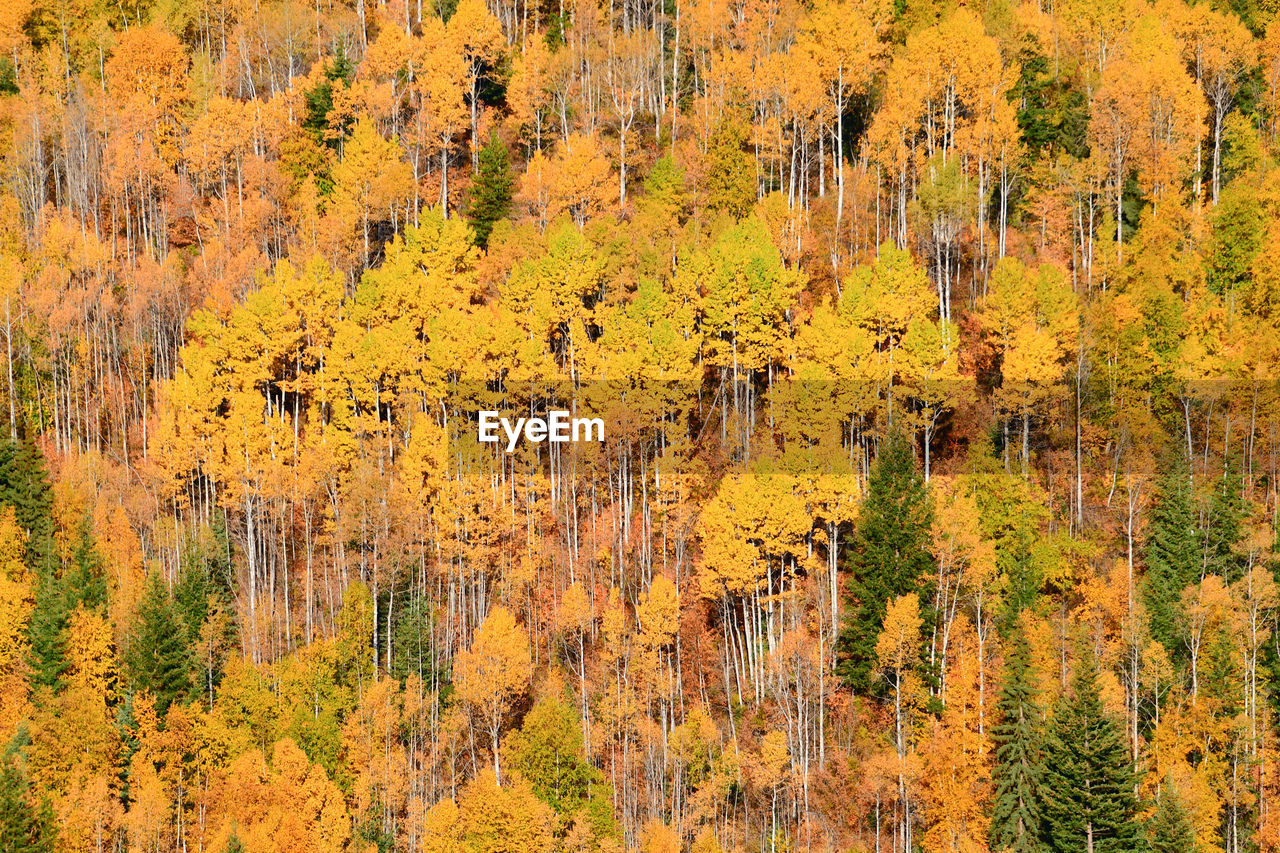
(937, 347)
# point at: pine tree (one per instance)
(159, 656)
(1172, 553)
(23, 829)
(413, 643)
(1016, 819)
(319, 101)
(83, 584)
(1170, 829)
(204, 579)
(24, 485)
(1089, 802)
(889, 555)
(492, 190)
(1222, 529)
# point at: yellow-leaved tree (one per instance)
(493, 673)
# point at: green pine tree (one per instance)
(319, 101)
(83, 584)
(1089, 801)
(413, 641)
(1223, 528)
(490, 198)
(204, 578)
(159, 656)
(1170, 829)
(23, 828)
(890, 554)
(1053, 115)
(1017, 825)
(24, 485)
(1172, 552)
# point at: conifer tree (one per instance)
(1016, 819)
(1170, 829)
(24, 485)
(1172, 552)
(159, 657)
(23, 829)
(492, 190)
(889, 557)
(1223, 530)
(413, 643)
(57, 597)
(1089, 802)
(204, 578)
(319, 101)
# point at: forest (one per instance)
(938, 348)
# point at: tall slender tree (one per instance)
(1017, 822)
(1172, 552)
(159, 657)
(82, 584)
(23, 828)
(492, 190)
(889, 558)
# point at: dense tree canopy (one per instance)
(936, 346)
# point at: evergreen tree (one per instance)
(1089, 801)
(159, 656)
(1223, 529)
(57, 597)
(85, 583)
(413, 641)
(204, 578)
(319, 100)
(1170, 829)
(24, 485)
(1172, 552)
(23, 829)
(492, 190)
(1016, 822)
(1053, 115)
(889, 555)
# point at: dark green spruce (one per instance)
(82, 584)
(492, 190)
(24, 828)
(159, 656)
(1172, 552)
(890, 554)
(1169, 829)
(1017, 822)
(1089, 780)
